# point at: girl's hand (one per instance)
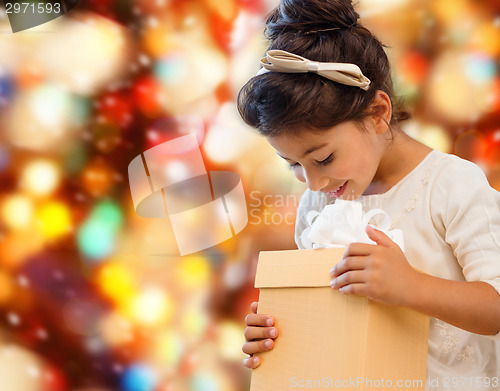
(379, 272)
(259, 336)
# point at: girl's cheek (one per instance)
(339, 172)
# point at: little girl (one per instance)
(324, 101)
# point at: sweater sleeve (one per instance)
(469, 211)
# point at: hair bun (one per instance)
(310, 15)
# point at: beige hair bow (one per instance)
(344, 73)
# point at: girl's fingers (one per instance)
(355, 249)
(355, 289)
(252, 333)
(379, 237)
(348, 278)
(258, 335)
(257, 346)
(348, 264)
(251, 362)
(259, 320)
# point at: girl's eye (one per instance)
(326, 161)
(294, 165)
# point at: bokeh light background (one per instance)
(94, 297)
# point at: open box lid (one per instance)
(296, 268)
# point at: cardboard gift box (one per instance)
(328, 340)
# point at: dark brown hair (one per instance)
(320, 30)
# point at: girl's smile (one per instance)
(337, 193)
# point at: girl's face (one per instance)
(341, 162)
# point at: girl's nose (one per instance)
(314, 181)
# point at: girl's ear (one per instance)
(381, 112)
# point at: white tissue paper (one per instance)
(344, 222)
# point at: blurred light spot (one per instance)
(225, 9)
(17, 368)
(139, 378)
(158, 40)
(193, 323)
(148, 96)
(152, 307)
(235, 275)
(458, 93)
(81, 316)
(193, 272)
(95, 345)
(491, 147)
(414, 67)
(50, 106)
(193, 75)
(177, 171)
(23, 281)
(117, 368)
(107, 135)
(40, 118)
(89, 55)
(228, 137)
(18, 246)
(230, 338)
(170, 69)
(435, 137)
(98, 178)
(6, 90)
(13, 319)
(58, 275)
(204, 381)
(29, 76)
(42, 334)
(17, 211)
(480, 68)
(117, 282)
(110, 213)
(53, 379)
(486, 38)
(97, 235)
(34, 371)
(115, 329)
(450, 12)
(168, 348)
(169, 128)
(370, 7)
(54, 219)
(40, 177)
